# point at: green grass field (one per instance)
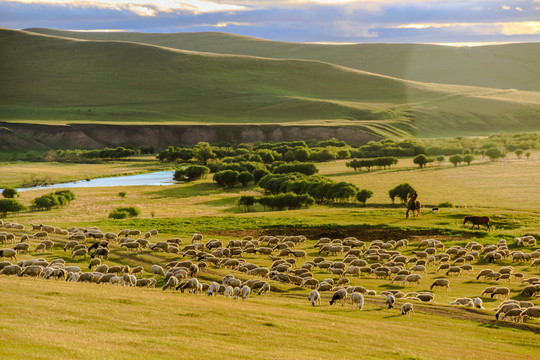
(101, 321)
(171, 85)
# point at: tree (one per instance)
(401, 191)
(244, 177)
(46, 201)
(226, 177)
(494, 154)
(248, 201)
(421, 160)
(455, 159)
(9, 193)
(203, 152)
(258, 174)
(440, 159)
(363, 195)
(468, 159)
(518, 153)
(10, 205)
(528, 154)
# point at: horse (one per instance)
(477, 221)
(413, 205)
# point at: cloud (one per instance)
(143, 7)
(341, 21)
(509, 28)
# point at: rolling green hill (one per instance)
(508, 66)
(47, 78)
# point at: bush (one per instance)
(122, 194)
(494, 154)
(244, 177)
(46, 201)
(10, 205)
(363, 195)
(284, 201)
(421, 160)
(455, 159)
(401, 191)
(468, 159)
(305, 168)
(9, 193)
(124, 212)
(58, 198)
(247, 201)
(226, 178)
(445, 204)
(259, 174)
(191, 173)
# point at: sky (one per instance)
(310, 21)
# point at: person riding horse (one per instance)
(413, 205)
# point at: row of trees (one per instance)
(286, 201)
(55, 199)
(380, 162)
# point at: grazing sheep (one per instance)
(94, 262)
(441, 283)
(8, 253)
(504, 308)
(147, 282)
(213, 289)
(137, 270)
(70, 245)
(426, 297)
(132, 246)
(357, 298)
(488, 290)
(390, 300)
(192, 285)
(413, 278)
(196, 237)
(228, 291)
(484, 273)
(504, 291)
(407, 308)
(340, 295)
(115, 280)
(79, 253)
(533, 312)
(22, 247)
(265, 289)
(513, 314)
(478, 303)
(172, 283)
(454, 270)
(100, 252)
(11, 270)
(32, 270)
(245, 291)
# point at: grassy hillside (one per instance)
(509, 66)
(48, 78)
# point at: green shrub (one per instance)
(401, 191)
(124, 212)
(122, 194)
(9, 193)
(226, 178)
(445, 204)
(10, 205)
(363, 195)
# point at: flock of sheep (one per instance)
(378, 259)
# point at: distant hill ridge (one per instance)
(506, 66)
(52, 79)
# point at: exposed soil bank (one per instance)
(23, 136)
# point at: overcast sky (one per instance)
(340, 21)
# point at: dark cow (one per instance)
(477, 221)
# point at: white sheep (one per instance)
(158, 270)
(265, 289)
(530, 312)
(357, 298)
(214, 288)
(172, 283)
(407, 308)
(236, 292)
(390, 300)
(478, 303)
(314, 296)
(504, 291)
(245, 291)
(79, 252)
(228, 291)
(339, 295)
(441, 283)
(8, 253)
(146, 282)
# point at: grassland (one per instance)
(170, 85)
(507, 66)
(131, 323)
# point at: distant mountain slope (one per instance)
(46, 78)
(508, 66)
